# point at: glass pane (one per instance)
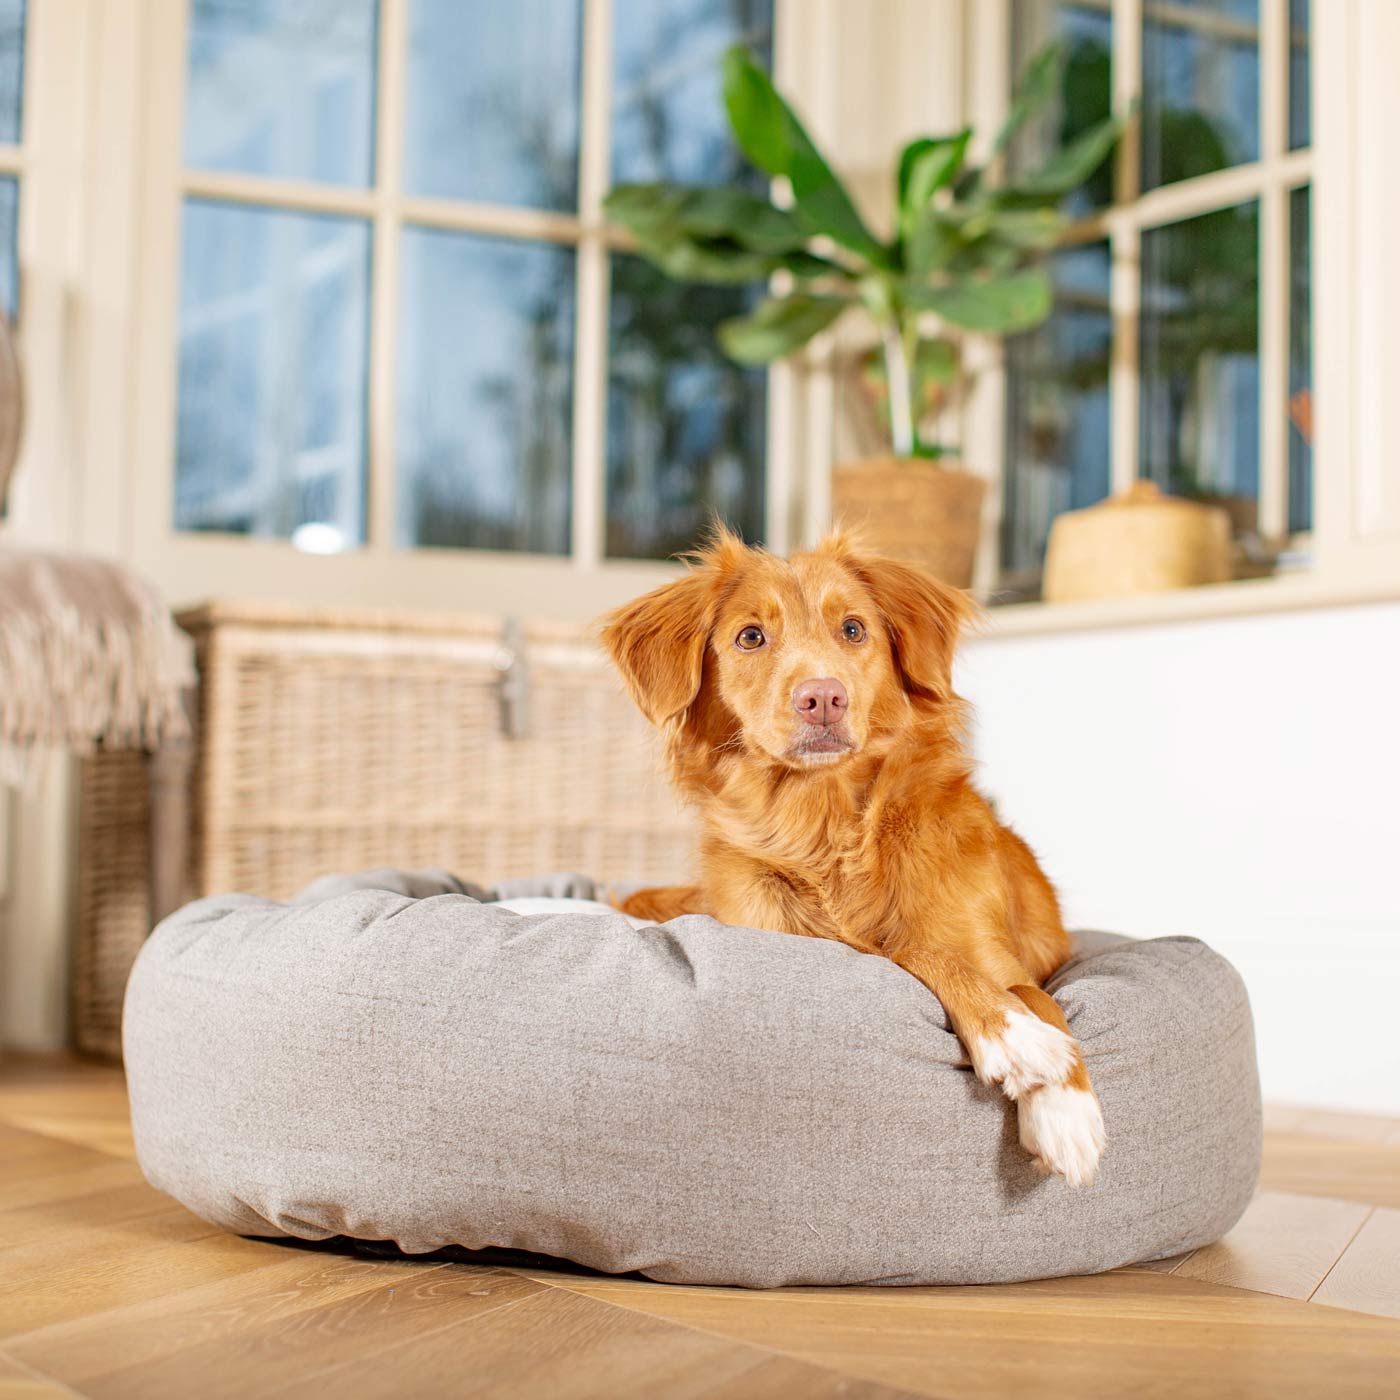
(1085, 95)
(9, 246)
(1200, 79)
(273, 345)
(11, 69)
(1300, 405)
(485, 359)
(1057, 442)
(669, 121)
(493, 101)
(1200, 359)
(284, 89)
(686, 425)
(1299, 74)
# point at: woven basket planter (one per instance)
(915, 510)
(340, 741)
(1140, 542)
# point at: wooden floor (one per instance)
(109, 1289)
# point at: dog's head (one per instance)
(804, 661)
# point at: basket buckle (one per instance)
(513, 680)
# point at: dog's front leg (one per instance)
(1019, 1039)
(663, 902)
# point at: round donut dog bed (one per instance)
(386, 1058)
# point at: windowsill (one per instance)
(1244, 598)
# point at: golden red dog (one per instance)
(808, 713)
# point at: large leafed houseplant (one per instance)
(962, 256)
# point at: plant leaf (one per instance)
(932, 243)
(1034, 91)
(926, 165)
(722, 261)
(997, 305)
(777, 326)
(931, 170)
(657, 211)
(771, 136)
(1072, 165)
(1027, 228)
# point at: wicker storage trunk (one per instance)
(339, 741)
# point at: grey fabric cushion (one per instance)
(702, 1103)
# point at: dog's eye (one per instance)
(750, 639)
(853, 630)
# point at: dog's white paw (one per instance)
(1062, 1128)
(1028, 1053)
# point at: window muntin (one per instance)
(1057, 411)
(284, 90)
(487, 302)
(485, 355)
(493, 102)
(13, 33)
(1210, 371)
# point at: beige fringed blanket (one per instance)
(88, 652)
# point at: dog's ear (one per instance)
(925, 619)
(658, 642)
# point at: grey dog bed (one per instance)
(387, 1058)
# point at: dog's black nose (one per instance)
(821, 701)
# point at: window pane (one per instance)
(669, 121)
(485, 392)
(685, 424)
(1300, 406)
(1299, 74)
(1200, 359)
(1085, 93)
(273, 340)
(1200, 77)
(9, 246)
(1057, 442)
(11, 69)
(284, 89)
(493, 101)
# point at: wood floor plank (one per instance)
(59, 1173)
(567, 1346)
(40, 1286)
(1315, 1166)
(265, 1332)
(20, 1383)
(67, 1099)
(79, 1213)
(1283, 1244)
(1154, 1336)
(1163, 1266)
(1367, 1277)
(1282, 1118)
(1345, 1127)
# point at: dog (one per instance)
(808, 713)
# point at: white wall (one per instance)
(1237, 780)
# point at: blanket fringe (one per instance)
(74, 681)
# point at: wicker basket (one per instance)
(1140, 542)
(341, 741)
(113, 894)
(915, 510)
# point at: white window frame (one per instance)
(1271, 180)
(192, 566)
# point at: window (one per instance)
(1179, 349)
(402, 324)
(12, 34)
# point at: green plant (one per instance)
(963, 248)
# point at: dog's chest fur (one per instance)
(807, 849)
